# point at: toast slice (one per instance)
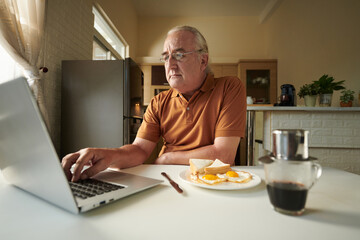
(217, 167)
(198, 165)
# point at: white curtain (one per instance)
(22, 36)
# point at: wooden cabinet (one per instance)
(146, 69)
(154, 80)
(260, 79)
(221, 70)
(158, 76)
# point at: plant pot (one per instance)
(310, 100)
(346, 104)
(325, 100)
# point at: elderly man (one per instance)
(199, 117)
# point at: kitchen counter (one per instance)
(334, 131)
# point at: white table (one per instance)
(333, 212)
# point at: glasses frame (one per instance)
(178, 56)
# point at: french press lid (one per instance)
(289, 144)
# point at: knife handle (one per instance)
(176, 186)
(173, 184)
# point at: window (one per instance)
(108, 43)
(100, 52)
(9, 68)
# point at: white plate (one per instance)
(256, 180)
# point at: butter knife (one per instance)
(174, 184)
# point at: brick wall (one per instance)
(334, 135)
(68, 36)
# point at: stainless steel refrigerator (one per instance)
(101, 103)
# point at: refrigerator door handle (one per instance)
(133, 118)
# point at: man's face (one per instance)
(187, 74)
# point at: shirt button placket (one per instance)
(188, 115)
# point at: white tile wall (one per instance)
(335, 129)
(334, 136)
(341, 158)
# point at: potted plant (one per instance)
(347, 98)
(309, 92)
(327, 86)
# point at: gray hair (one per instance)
(199, 40)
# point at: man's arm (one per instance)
(101, 158)
(224, 149)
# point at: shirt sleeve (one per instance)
(232, 117)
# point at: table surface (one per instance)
(333, 212)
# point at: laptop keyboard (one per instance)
(91, 187)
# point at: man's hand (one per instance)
(98, 160)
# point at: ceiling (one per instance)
(203, 8)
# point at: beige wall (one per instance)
(123, 16)
(309, 38)
(228, 37)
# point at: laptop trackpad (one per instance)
(125, 179)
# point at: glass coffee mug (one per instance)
(289, 171)
(288, 183)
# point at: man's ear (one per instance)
(204, 61)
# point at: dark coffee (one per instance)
(287, 195)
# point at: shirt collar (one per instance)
(207, 86)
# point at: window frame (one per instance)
(105, 24)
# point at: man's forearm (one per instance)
(225, 150)
(182, 157)
(128, 156)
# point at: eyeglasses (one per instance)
(176, 55)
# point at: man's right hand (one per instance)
(98, 159)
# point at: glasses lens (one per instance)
(164, 58)
(178, 56)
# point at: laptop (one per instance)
(29, 161)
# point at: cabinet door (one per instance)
(221, 70)
(146, 69)
(158, 76)
(149, 80)
(260, 79)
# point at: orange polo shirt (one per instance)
(217, 109)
